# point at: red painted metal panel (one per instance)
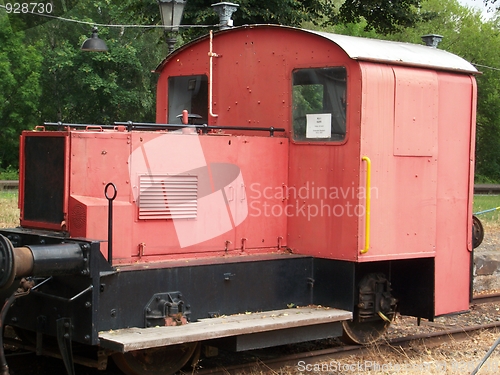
(323, 200)
(251, 73)
(232, 199)
(98, 158)
(403, 205)
(88, 218)
(456, 119)
(377, 134)
(416, 107)
(236, 213)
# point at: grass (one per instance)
(490, 220)
(9, 174)
(9, 212)
(486, 202)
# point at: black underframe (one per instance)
(106, 298)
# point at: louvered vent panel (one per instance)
(168, 197)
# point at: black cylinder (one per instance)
(7, 259)
(38, 260)
(58, 259)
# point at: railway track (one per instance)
(336, 353)
(9, 185)
(443, 334)
(268, 361)
(486, 298)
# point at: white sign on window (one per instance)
(319, 125)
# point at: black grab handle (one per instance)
(110, 220)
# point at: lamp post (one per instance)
(171, 15)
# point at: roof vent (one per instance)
(432, 40)
(225, 11)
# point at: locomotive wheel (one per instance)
(477, 232)
(373, 312)
(155, 361)
(363, 333)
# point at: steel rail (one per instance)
(486, 298)
(325, 355)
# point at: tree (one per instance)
(20, 90)
(97, 88)
(383, 16)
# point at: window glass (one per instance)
(319, 104)
(188, 93)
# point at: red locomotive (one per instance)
(296, 185)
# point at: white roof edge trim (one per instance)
(385, 51)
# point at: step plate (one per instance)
(129, 339)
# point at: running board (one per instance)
(286, 321)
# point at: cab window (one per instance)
(190, 93)
(319, 104)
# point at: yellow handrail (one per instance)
(368, 203)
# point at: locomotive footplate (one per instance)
(253, 329)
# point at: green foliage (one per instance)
(481, 179)
(86, 87)
(486, 202)
(20, 91)
(9, 173)
(383, 16)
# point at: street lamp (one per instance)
(171, 15)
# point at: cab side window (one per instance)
(319, 104)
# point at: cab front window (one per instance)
(188, 93)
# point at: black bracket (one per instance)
(375, 298)
(166, 309)
(64, 341)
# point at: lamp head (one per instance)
(171, 13)
(94, 43)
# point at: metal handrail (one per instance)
(368, 203)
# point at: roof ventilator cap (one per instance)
(225, 11)
(432, 40)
